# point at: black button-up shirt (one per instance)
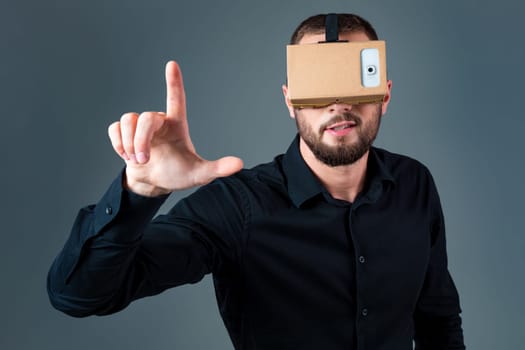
(293, 267)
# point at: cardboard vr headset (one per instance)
(336, 71)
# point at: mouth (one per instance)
(340, 129)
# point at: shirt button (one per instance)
(364, 312)
(109, 210)
(362, 259)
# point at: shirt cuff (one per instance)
(123, 214)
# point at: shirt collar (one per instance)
(303, 185)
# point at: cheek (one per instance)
(309, 125)
(369, 113)
(367, 109)
(310, 116)
(294, 112)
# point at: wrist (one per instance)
(142, 188)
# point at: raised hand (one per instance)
(160, 157)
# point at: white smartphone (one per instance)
(370, 74)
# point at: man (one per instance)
(333, 245)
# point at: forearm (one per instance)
(438, 332)
(96, 272)
(437, 318)
(114, 256)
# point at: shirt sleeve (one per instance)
(437, 316)
(116, 253)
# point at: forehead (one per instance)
(351, 36)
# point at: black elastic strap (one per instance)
(331, 28)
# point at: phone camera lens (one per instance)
(371, 70)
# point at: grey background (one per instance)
(70, 68)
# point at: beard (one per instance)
(343, 153)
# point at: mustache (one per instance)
(343, 117)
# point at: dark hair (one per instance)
(347, 22)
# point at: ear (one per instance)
(386, 99)
(291, 109)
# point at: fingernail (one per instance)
(142, 157)
(133, 158)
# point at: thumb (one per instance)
(227, 166)
(222, 167)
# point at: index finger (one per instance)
(175, 97)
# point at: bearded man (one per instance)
(335, 244)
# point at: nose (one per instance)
(339, 107)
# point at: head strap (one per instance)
(331, 28)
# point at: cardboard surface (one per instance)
(326, 73)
